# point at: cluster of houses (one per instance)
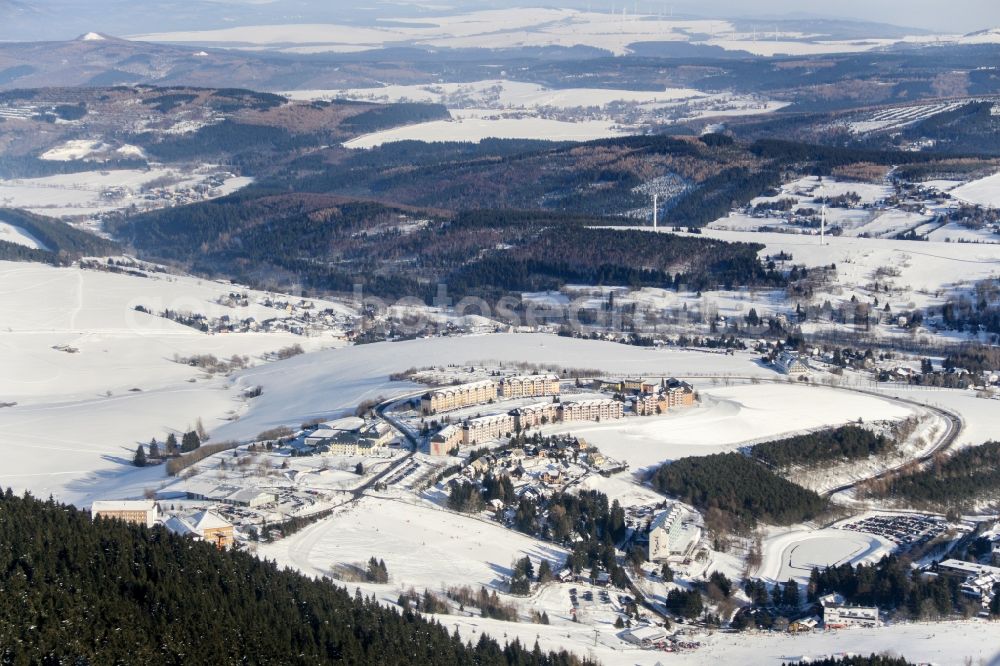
(536, 470)
(299, 323)
(204, 525)
(489, 390)
(483, 429)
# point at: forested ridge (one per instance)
(61, 241)
(103, 592)
(964, 476)
(738, 485)
(331, 243)
(851, 442)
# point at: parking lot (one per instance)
(904, 531)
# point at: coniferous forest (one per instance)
(851, 442)
(964, 476)
(73, 591)
(740, 486)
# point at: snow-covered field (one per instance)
(503, 94)
(898, 117)
(471, 126)
(91, 192)
(925, 268)
(80, 149)
(956, 233)
(510, 28)
(985, 191)
(423, 545)
(926, 643)
(728, 418)
(888, 224)
(92, 377)
(809, 188)
(501, 108)
(18, 236)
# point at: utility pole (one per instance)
(822, 226)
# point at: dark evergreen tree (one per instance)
(190, 441)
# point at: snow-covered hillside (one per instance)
(91, 377)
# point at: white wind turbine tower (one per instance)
(656, 201)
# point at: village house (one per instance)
(552, 475)
(529, 386)
(456, 397)
(204, 526)
(137, 512)
(791, 364)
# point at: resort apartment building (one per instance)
(456, 397)
(538, 414)
(670, 394)
(487, 428)
(446, 440)
(137, 512)
(678, 394)
(666, 535)
(529, 386)
(591, 410)
(651, 404)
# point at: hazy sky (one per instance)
(64, 19)
(936, 15)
